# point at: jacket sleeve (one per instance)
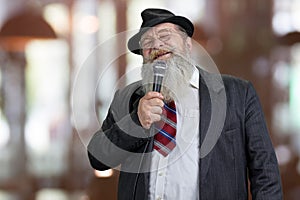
(119, 137)
(262, 162)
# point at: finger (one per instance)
(156, 102)
(155, 118)
(156, 110)
(145, 119)
(151, 95)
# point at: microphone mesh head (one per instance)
(159, 68)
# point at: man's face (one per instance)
(166, 42)
(163, 41)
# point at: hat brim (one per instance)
(133, 43)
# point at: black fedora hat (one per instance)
(154, 16)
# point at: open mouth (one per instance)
(160, 54)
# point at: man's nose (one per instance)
(158, 43)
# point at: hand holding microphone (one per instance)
(150, 106)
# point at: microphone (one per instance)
(159, 69)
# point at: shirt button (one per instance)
(159, 198)
(160, 173)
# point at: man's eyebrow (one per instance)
(163, 29)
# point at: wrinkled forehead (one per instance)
(153, 30)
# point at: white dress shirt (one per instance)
(175, 177)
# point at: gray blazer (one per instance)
(232, 152)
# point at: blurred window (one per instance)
(286, 16)
(47, 129)
(295, 87)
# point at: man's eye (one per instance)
(164, 36)
(147, 43)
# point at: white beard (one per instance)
(176, 80)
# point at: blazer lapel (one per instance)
(212, 102)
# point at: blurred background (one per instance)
(49, 55)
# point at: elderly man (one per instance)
(159, 137)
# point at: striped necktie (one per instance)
(164, 140)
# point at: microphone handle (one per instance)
(157, 83)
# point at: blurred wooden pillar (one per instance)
(121, 10)
(13, 93)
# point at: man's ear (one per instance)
(189, 43)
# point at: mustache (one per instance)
(155, 53)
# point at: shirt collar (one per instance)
(195, 78)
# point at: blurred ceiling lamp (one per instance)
(23, 27)
(104, 174)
